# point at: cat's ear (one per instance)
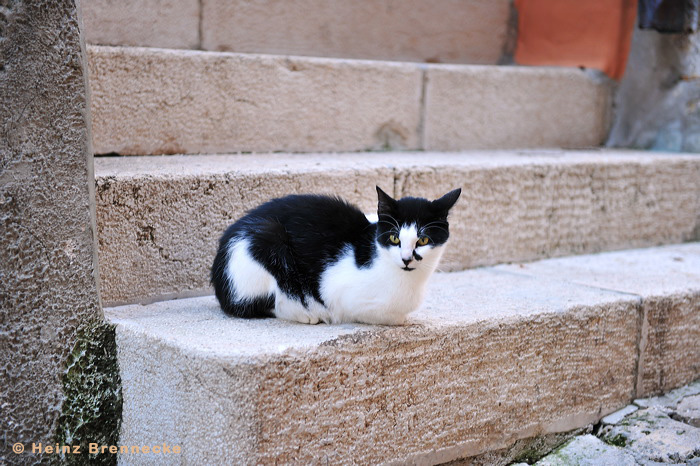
(445, 203)
(386, 204)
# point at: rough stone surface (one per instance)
(442, 31)
(527, 450)
(671, 399)
(588, 450)
(148, 23)
(492, 357)
(670, 336)
(688, 410)
(161, 218)
(657, 434)
(514, 206)
(153, 101)
(542, 204)
(48, 285)
(472, 107)
(617, 416)
(651, 435)
(657, 104)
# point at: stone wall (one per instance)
(658, 103)
(48, 268)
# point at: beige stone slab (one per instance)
(159, 218)
(670, 400)
(544, 204)
(669, 286)
(156, 101)
(587, 450)
(147, 23)
(688, 410)
(441, 31)
(492, 357)
(473, 107)
(652, 437)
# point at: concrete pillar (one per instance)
(48, 270)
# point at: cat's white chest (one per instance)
(380, 294)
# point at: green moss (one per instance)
(618, 440)
(92, 409)
(539, 450)
(528, 456)
(557, 456)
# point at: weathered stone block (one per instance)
(651, 436)
(531, 205)
(147, 23)
(492, 357)
(688, 410)
(473, 107)
(587, 450)
(147, 101)
(670, 334)
(48, 271)
(160, 217)
(442, 31)
(671, 354)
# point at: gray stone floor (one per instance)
(659, 430)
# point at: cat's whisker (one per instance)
(388, 223)
(435, 227)
(396, 222)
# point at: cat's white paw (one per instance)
(313, 320)
(307, 319)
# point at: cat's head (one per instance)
(413, 230)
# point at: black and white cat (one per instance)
(312, 258)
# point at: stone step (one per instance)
(493, 356)
(652, 431)
(443, 31)
(159, 218)
(158, 101)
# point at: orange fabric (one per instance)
(588, 33)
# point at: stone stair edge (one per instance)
(125, 322)
(607, 333)
(265, 57)
(473, 30)
(257, 103)
(200, 164)
(592, 74)
(206, 309)
(630, 201)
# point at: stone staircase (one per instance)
(495, 355)
(159, 218)
(244, 105)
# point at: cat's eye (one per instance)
(394, 239)
(423, 240)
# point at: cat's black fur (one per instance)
(296, 237)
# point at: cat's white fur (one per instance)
(381, 294)
(247, 277)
